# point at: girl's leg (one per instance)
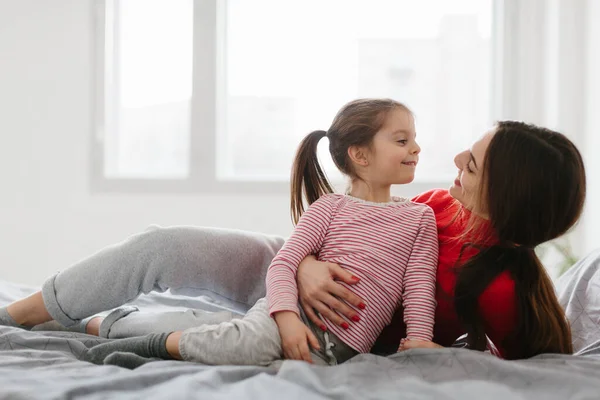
(251, 340)
(227, 264)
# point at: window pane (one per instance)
(288, 75)
(148, 89)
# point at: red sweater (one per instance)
(497, 303)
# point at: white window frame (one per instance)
(518, 32)
(208, 29)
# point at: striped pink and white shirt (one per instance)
(393, 249)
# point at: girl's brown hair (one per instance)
(533, 186)
(354, 125)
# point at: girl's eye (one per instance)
(404, 141)
(469, 169)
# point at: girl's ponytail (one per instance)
(308, 178)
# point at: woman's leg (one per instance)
(228, 264)
(128, 321)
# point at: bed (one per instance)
(45, 365)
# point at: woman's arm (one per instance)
(320, 293)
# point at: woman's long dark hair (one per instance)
(533, 188)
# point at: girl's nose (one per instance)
(416, 149)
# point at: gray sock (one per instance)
(153, 345)
(127, 360)
(7, 320)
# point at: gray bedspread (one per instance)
(44, 365)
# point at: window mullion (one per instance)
(99, 132)
(204, 95)
(520, 58)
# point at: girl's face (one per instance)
(467, 186)
(394, 153)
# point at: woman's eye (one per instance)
(403, 141)
(469, 170)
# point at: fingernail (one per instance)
(323, 328)
(345, 325)
(355, 278)
(355, 318)
(362, 306)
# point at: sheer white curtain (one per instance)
(591, 129)
(548, 75)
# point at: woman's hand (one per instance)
(318, 291)
(418, 344)
(295, 337)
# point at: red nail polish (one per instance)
(345, 325)
(355, 278)
(362, 306)
(323, 328)
(355, 318)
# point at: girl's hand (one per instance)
(418, 344)
(318, 291)
(295, 337)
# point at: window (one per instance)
(148, 89)
(223, 91)
(288, 75)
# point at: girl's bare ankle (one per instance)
(93, 326)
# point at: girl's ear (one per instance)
(358, 155)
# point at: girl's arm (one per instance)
(282, 291)
(419, 281)
(307, 238)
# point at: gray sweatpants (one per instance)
(227, 265)
(254, 340)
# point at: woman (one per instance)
(523, 186)
(517, 187)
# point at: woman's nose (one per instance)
(458, 160)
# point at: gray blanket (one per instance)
(45, 365)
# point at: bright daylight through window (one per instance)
(285, 68)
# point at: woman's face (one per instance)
(466, 187)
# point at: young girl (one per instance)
(389, 244)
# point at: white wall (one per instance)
(49, 218)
